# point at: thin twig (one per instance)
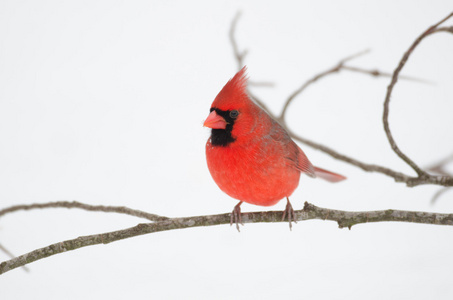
(396, 149)
(75, 204)
(445, 29)
(377, 73)
(438, 194)
(439, 167)
(410, 181)
(397, 176)
(332, 70)
(335, 70)
(345, 219)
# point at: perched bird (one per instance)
(250, 156)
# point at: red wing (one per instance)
(295, 156)
(303, 164)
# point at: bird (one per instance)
(250, 156)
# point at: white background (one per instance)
(103, 102)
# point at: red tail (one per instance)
(329, 176)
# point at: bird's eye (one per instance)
(234, 114)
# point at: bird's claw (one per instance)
(291, 214)
(236, 216)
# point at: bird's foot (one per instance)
(236, 216)
(291, 214)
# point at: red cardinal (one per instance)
(250, 156)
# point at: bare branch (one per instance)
(396, 149)
(445, 29)
(410, 181)
(439, 167)
(397, 176)
(3, 248)
(354, 56)
(335, 70)
(332, 70)
(377, 73)
(310, 212)
(75, 204)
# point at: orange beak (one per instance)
(215, 121)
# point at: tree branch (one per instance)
(377, 73)
(11, 255)
(310, 212)
(396, 149)
(75, 204)
(332, 70)
(445, 29)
